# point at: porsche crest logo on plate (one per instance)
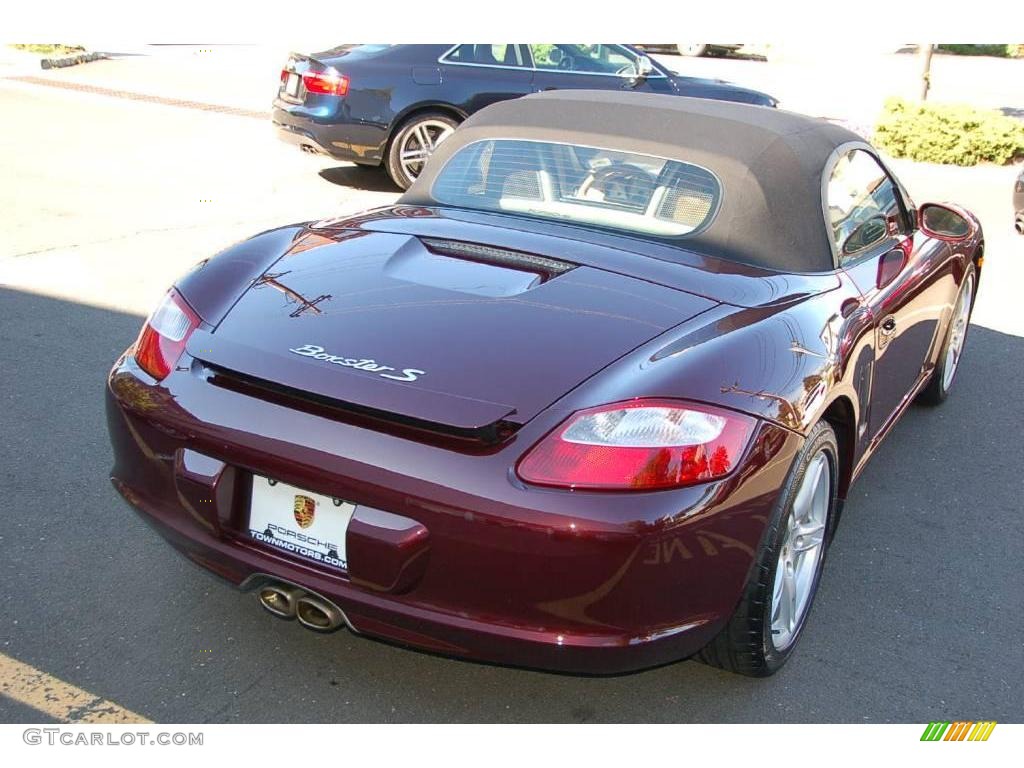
(306, 524)
(305, 509)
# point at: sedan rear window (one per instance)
(587, 185)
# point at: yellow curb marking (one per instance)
(61, 701)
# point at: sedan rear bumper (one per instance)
(575, 582)
(300, 138)
(334, 135)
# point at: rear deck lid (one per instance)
(443, 332)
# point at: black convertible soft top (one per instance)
(770, 162)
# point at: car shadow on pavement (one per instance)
(359, 177)
(916, 620)
(741, 56)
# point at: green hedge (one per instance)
(948, 133)
(1011, 50)
(48, 48)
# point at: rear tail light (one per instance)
(644, 444)
(164, 335)
(326, 82)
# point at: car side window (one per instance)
(600, 58)
(487, 54)
(863, 204)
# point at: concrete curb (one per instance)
(70, 61)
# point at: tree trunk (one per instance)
(925, 51)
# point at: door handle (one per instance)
(889, 325)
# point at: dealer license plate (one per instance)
(301, 522)
(292, 85)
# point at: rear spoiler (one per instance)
(332, 386)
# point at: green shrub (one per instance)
(979, 49)
(948, 133)
(48, 48)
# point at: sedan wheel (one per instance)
(416, 141)
(692, 49)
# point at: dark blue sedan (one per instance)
(393, 104)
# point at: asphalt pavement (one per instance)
(918, 617)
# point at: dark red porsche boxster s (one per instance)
(588, 398)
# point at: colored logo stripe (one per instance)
(982, 731)
(958, 731)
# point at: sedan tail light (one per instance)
(164, 335)
(326, 82)
(644, 444)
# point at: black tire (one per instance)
(393, 162)
(1018, 224)
(745, 645)
(936, 392)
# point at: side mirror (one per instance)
(944, 223)
(642, 68)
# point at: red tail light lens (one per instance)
(326, 82)
(639, 445)
(164, 335)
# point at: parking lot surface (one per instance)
(107, 199)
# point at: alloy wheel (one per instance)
(802, 548)
(692, 49)
(958, 332)
(419, 143)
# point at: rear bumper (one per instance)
(300, 138)
(427, 630)
(334, 135)
(585, 583)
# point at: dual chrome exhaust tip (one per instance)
(289, 602)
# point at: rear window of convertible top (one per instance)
(586, 185)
